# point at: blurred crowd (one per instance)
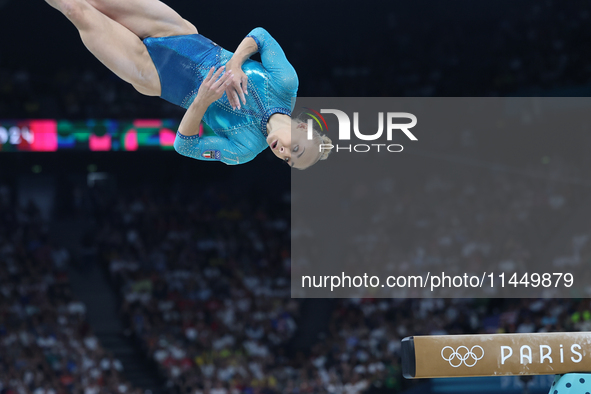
(204, 284)
(83, 93)
(205, 279)
(203, 276)
(497, 49)
(46, 345)
(470, 220)
(576, 253)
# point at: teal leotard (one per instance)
(239, 135)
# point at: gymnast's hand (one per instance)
(213, 85)
(238, 87)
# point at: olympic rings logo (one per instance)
(463, 355)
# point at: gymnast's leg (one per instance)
(145, 18)
(113, 44)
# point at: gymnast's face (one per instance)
(293, 147)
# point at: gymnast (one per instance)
(147, 44)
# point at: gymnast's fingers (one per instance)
(245, 85)
(212, 77)
(221, 87)
(217, 74)
(235, 98)
(232, 98)
(240, 92)
(229, 91)
(221, 80)
(209, 74)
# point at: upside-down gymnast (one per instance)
(147, 44)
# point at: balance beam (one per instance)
(441, 356)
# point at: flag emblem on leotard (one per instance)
(211, 154)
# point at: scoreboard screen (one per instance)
(50, 135)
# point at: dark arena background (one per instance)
(127, 268)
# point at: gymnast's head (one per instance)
(289, 142)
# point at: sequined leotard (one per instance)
(184, 61)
